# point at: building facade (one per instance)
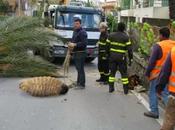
(109, 6)
(151, 11)
(20, 7)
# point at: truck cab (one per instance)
(63, 19)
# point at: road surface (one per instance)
(90, 109)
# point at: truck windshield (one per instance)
(88, 20)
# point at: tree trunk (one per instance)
(172, 9)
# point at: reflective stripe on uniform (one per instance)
(102, 51)
(104, 58)
(106, 74)
(128, 43)
(101, 72)
(111, 79)
(117, 50)
(171, 84)
(108, 40)
(125, 80)
(118, 44)
(101, 43)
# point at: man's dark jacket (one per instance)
(80, 39)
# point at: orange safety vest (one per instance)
(166, 46)
(171, 84)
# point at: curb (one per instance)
(145, 103)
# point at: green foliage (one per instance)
(134, 32)
(4, 6)
(143, 37)
(112, 22)
(89, 3)
(17, 36)
(173, 24)
(147, 39)
(25, 66)
(2, 18)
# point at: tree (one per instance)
(4, 6)
(18, 35)
(172, 9)
(112, 22)
(89, 3)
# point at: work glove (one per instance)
(130, 62)
(71, 45)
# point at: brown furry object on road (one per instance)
(43, 86)
(133, 81)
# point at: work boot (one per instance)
(151, 114)
(101, 79)
(106, 80)
(125, 89)
(111, 88)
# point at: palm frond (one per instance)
(17, 36)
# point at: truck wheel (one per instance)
(90, 59)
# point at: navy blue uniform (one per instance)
(103, 58)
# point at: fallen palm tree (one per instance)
(18, 35)
(43, 86)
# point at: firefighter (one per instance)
(103, 60)
(119, 44)
(157, 58)
(167, 76)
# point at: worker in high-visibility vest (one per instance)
(158, 57)
(119, 45)
(167, 77)
(103, 56)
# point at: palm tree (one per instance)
(172, 9)
(4, 7)
(18, 35)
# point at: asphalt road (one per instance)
(90, 109)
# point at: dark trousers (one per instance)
(103, 68)
(79, 60)
(118, 62)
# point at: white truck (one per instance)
(63, 18)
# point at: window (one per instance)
(88, 20)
